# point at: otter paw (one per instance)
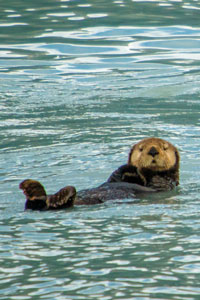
(62, 199)
(33, 189)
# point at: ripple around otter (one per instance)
(81, 82)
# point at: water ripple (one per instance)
(81, 82)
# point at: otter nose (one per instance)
(153, 151)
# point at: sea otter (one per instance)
(153, 165)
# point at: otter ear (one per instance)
(176, 174)
(130, 154)
(177, 156)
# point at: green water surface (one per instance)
(80, 82)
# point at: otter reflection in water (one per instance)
(153, 165)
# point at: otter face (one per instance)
(154, 154)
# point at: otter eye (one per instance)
(165, 146)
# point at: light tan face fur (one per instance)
(155, 154)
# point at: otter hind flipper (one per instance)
(33, 189)
(62, 199)
(35, 194)
(37, 199)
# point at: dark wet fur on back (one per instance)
(110, 191)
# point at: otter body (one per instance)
(110, 191)
(153, 165)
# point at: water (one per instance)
(80, 83)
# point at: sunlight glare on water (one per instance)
(80, 83)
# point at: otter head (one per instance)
(155, 156)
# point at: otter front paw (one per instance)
(161, 183)
(126, 173)
(131, 175)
